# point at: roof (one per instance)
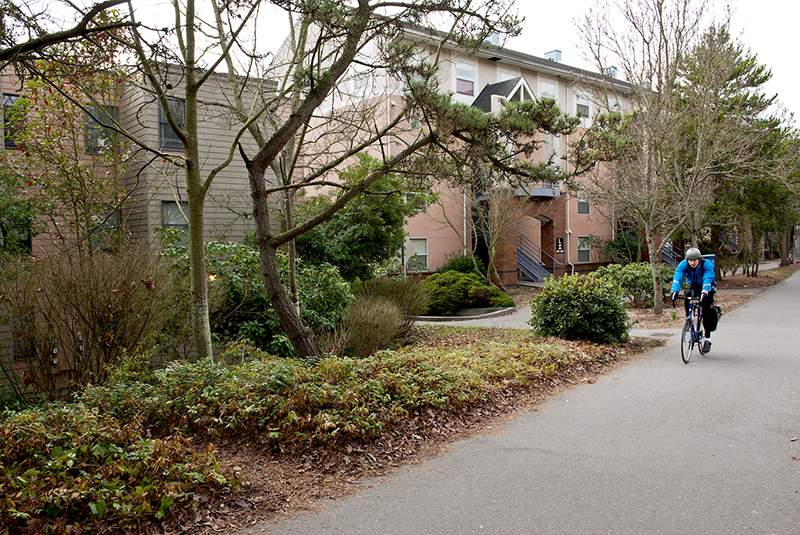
(520, 59)
(505, 89)
(501, 89)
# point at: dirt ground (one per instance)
(285, 483)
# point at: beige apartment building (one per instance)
(553, 234)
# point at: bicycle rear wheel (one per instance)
(687, 341)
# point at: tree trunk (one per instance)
(783, 244)
(201, 327)
(715, 249)
(301, 337)
(655, 265)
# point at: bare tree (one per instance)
(685, 127)
(27, 34)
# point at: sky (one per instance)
(766, 27)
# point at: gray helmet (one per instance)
(693, 253)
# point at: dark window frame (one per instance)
(168, 139)
(9, 100)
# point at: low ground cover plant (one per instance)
(580, 307)
(66, 468)
(453, 291)
(121, 453)
(282, 401)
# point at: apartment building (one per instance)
(146, 191)
(554, 233)
(152, 189)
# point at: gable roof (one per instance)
(505, 89)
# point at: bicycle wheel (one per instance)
(687, 341)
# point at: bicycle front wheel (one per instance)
(687, 341)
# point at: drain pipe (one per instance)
(568, 231)
(464, 239)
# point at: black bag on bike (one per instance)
(712, 318)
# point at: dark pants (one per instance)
(695, 290)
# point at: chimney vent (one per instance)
(553, 55)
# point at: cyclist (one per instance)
(699, 273)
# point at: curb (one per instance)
(445, 319)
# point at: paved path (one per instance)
(655, 447)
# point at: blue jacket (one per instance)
(703, 275)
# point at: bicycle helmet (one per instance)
(693, 253)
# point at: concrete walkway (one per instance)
(655, 447)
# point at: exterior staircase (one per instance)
(529, 260)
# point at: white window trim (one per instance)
(466, 99)
(410, 253)
(584, 239)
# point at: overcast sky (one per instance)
(767, 27)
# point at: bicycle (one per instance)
(692, 333)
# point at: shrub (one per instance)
(636, 280)
(579, 307)
(463, 264)
(245, 310)
(372, 322)
(453, 291)
(74, 314)
(410, 297)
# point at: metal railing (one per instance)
(671, 254)
(529, 260)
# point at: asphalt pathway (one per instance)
(655, 447)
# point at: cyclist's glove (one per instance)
(673, 297)
(703, 298)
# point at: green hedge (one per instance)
(636, 280)
(453, 291)
(580, 307)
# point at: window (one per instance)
(582, 110)
(548, 90)
(99, 136)
(362, 82)
(417, 254)
(417, 201)
(583, 203)
(12, 119)
(104, 236)
(584, 249)
(169, 139)
(414, 121)
(465, 80)
(172, 215)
